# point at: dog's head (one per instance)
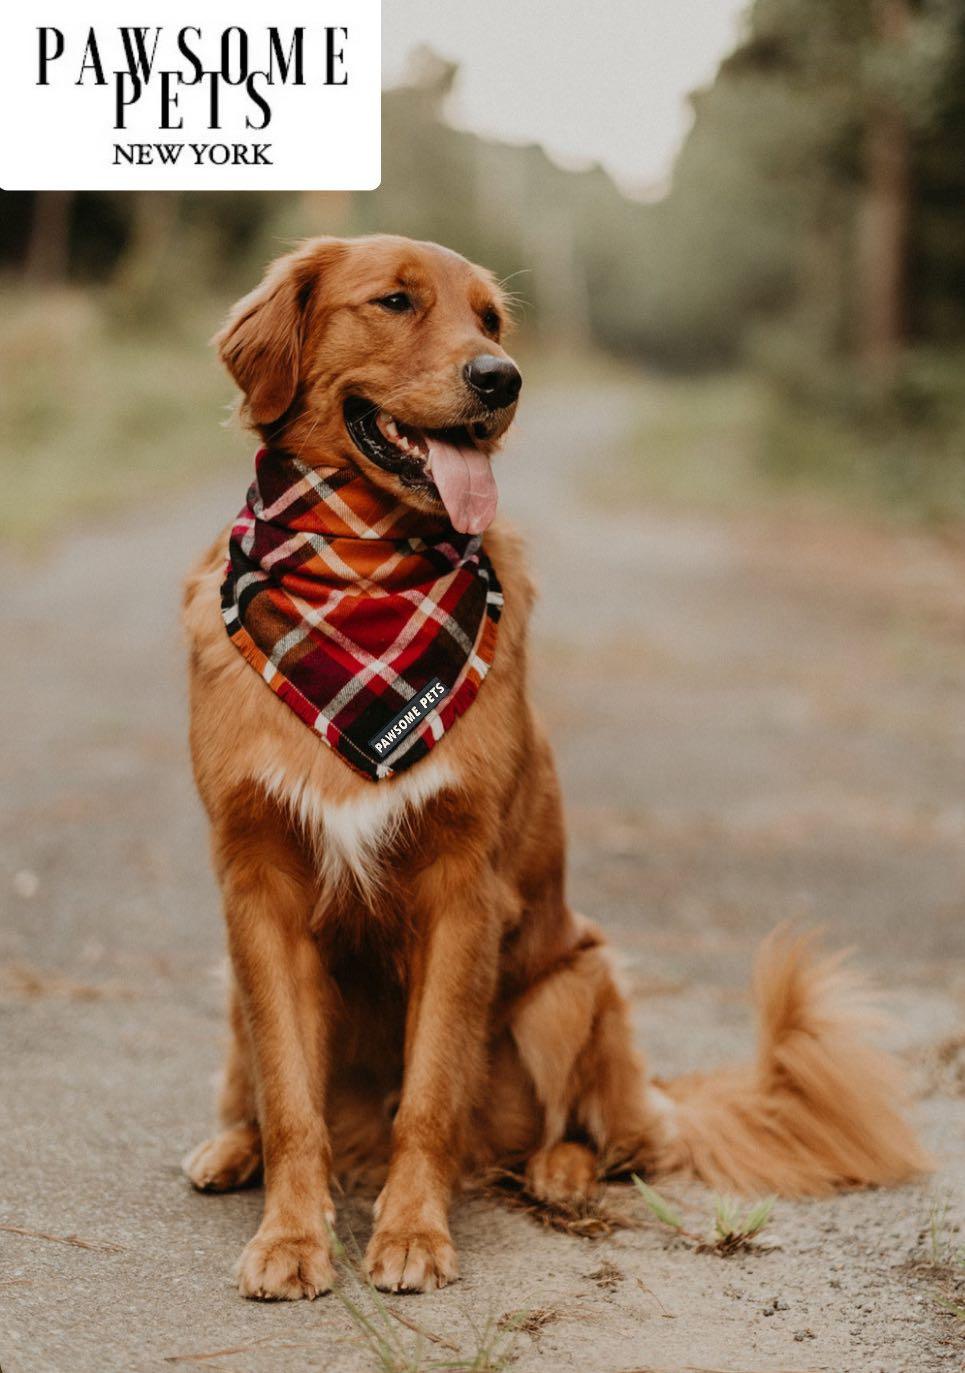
(386, 353)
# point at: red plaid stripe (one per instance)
(374, 623)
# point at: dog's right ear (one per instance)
(261, 343)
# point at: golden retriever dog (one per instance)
(412, 998)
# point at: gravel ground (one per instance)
(756, 719)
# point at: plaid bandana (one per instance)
(374, 623)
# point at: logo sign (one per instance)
(400, 726)
(199, 95)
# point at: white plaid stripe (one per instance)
(435, 612)
(312, 479)
(323, 549)
(248, 537)
(291, 494)
(250, 579)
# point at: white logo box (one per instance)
(322, 135)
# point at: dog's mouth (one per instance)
(445, 465)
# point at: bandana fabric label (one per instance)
(387, 740)
(374, 623)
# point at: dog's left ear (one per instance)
(261, 343)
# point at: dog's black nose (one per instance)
(496, 381)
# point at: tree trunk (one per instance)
(885, 215)
(48, 249)
(154, 215)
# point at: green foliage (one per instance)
(770, 192)
(945, 1258)
(741, 441)
(825, 428)
(94, 413)
(760, 222)
(568, 241)
(731, 1230)
(759, 258)
(656, 1203)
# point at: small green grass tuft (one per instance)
(662, 1209)
(945, 1258)
(731, 1230)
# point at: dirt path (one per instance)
(754, 721)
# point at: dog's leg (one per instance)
(453, 983)
(232, 1158)
(574, 1038)
(285, 993)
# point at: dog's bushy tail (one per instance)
(821, 1108)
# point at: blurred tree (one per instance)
(153, 217)
(817, 199)
(568, 242)
(937, 270)
(885, 214)
(48, 246)
(799, 193)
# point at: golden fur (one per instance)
(412, 998)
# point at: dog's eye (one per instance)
(397, 303)
(491, 322)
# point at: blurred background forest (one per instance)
(791, 309)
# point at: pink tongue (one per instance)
(466, 484)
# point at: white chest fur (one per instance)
(348, 836)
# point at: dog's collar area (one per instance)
(325, 595)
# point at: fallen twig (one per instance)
(75, 1240)
(669, 1315)
(418, 1329)
(19, 980)
(699, 1368)
(207, 1355)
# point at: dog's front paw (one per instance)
(417, 1261)
(232, 1159)
(275, 1266)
